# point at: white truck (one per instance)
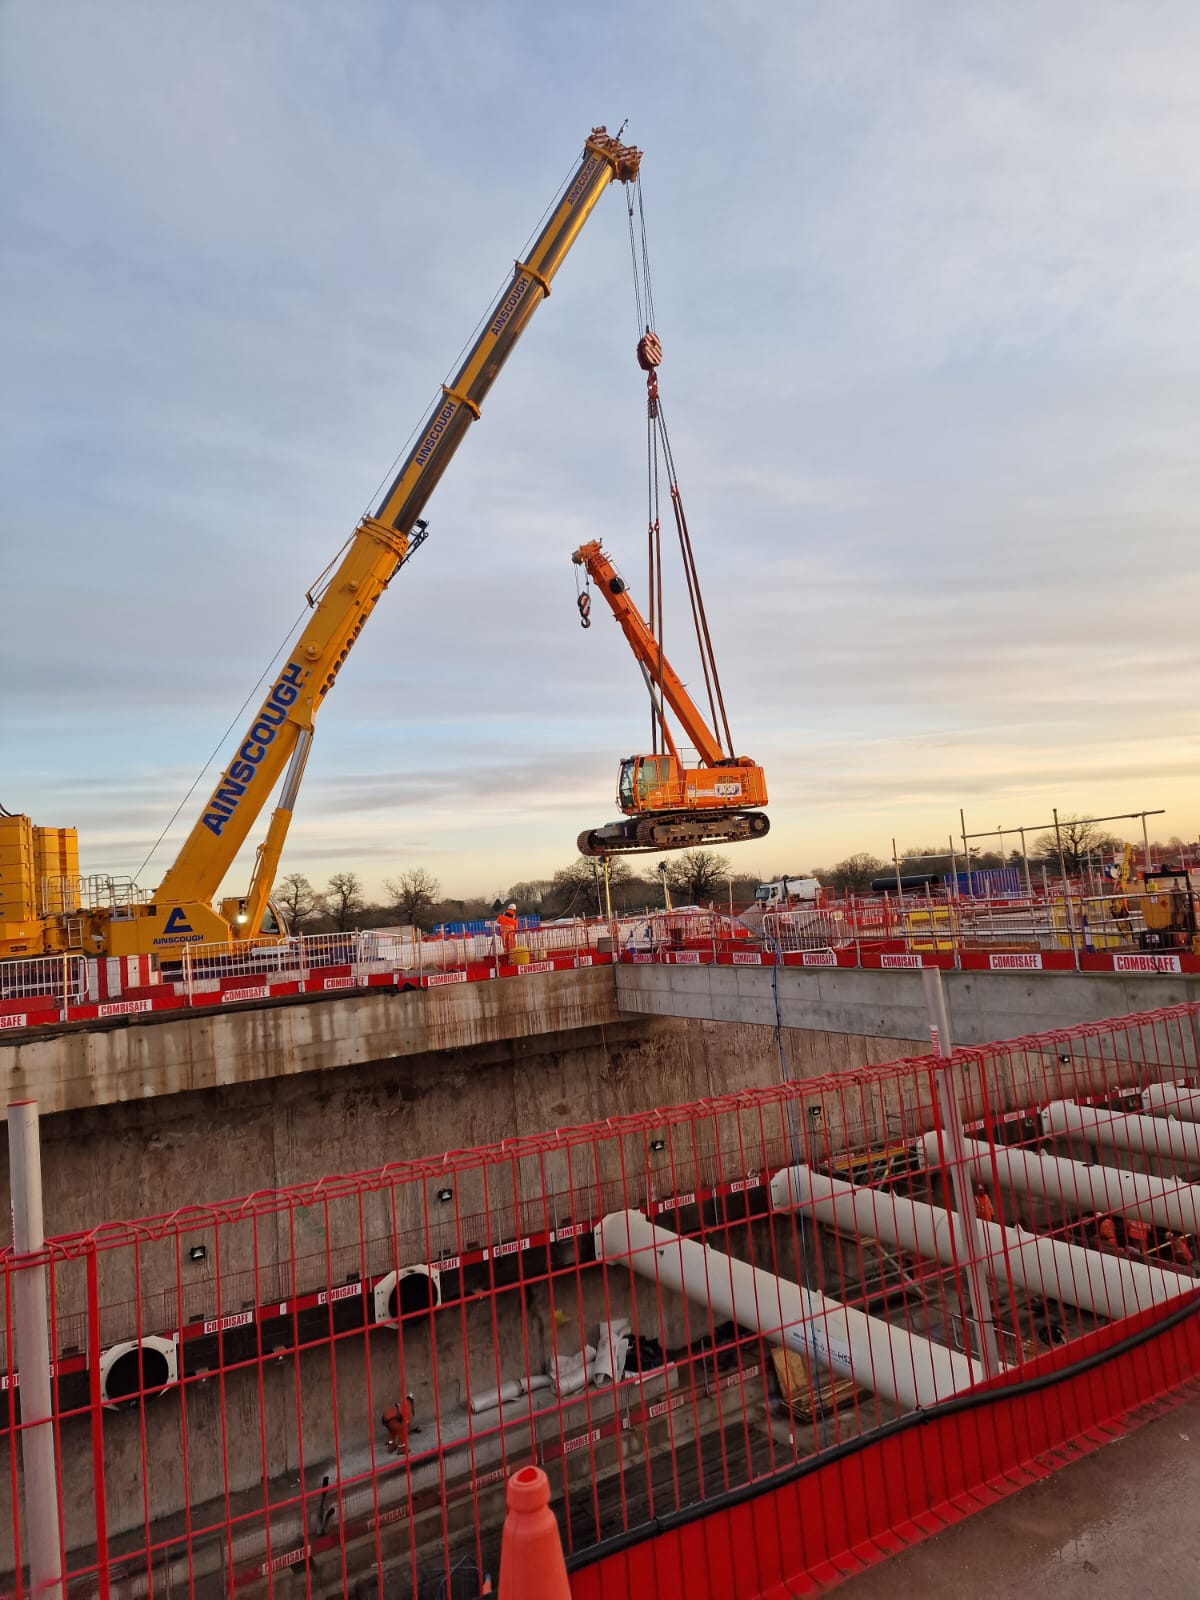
(786, 893)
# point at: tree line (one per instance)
(414, 897)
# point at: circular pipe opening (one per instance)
(134, 1373)
(415, 1292)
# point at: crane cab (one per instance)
(649, 785)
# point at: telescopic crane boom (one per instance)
(276, 744)
(670, 805)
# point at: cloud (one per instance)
(927, 283)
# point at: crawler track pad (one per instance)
(675, 830)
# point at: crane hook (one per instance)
(584, 602)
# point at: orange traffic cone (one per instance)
(531, 1557)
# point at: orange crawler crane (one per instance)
(670, 805)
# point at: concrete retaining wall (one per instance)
(983, 1006)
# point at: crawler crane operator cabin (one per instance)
(46, 907)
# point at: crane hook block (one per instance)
(649, 351)
(584, 602)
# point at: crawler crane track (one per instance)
(675, 830)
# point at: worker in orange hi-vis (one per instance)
(1137, 1235)
(397, 1419)
(1108, 1233)
(1181, 1251)
(984, 1209)
(506, 926)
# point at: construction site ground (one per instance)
(1119, 1522)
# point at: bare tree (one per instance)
(1080, 839)
(856, 873)
(414, 893)
(697, 874)
(534, 896)
(578, 890)
(343, 899)
(298, 901)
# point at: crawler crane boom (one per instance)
(668, 804)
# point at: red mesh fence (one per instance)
(321, 1390)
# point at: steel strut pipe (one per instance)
(1164, 1137)
(1087, 1188)
(1171, 1100)
(891, 1362)
(1111, 1286)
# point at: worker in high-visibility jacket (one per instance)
(506, 926)
(984, 1209)
(1108, 1233)
(397, 1419)
(1137, 1235)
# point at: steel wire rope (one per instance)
(657, 432)
(283, 645)
(644, 312)
(700, 620)
(708, 660)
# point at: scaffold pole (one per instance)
(42, 1511)
(967, 1229)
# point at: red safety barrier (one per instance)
(665, 1312)
(1017, 961)
(843, 1517)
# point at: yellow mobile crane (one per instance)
(64, 912)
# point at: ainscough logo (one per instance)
(240, 773)
(582, 182)
(515, 295)
(436, 429)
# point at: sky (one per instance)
(928, 281)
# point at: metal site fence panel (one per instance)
(322, 1389)
(1071, 923)
(63, 978)
(1063, 932)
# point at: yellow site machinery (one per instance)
(48, 907)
